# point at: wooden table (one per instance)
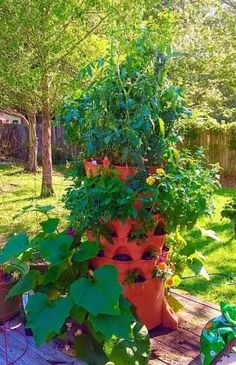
(168, 347)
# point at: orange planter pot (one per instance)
(144, 267)
(93, 169)
(121, 229)
(134, 248)
(8, 307)
(155, 241)
(150, 304)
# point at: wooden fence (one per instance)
(219, 148)
(14, 142)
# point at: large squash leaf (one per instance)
(56, 248)
(50, 225)
(130, 352)
(46, 317)
(116, 325)
(100, 294)
(25, 284)
(86, 251)
(87, 351)
(14, 247)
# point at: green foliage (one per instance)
(28, 282)
(128, 111)
(113, 325)
(15, 246)
(50, 225)
(207, 49)
(46, 317)
(56, 248)
(86, 251)
(68, 289)
(83, 292)
(183, 194)
(135, 352)
(229, 211)
(103, 197)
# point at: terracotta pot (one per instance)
(111, 249)
(155, 241)
(144, 267)
(150, 304)
(8, 307)
(93, 169)
(122, 229)
(125, 171)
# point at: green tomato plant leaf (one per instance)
(103, 286)
(46, 317)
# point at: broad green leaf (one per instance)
(50, 225)
(88, 352)
(56, 248)
(174, 303)
(99, 295)
(14, 247)
(197, 267)
(116, 325)
(35, 208)
(28, 282)
(86, 251)
(130, 352)
(161, 126)
(78, 314)
(51, 274)
(176, 280)
(46, 317)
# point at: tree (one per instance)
(47, 41)
(204, 33)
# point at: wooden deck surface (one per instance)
(168, 347)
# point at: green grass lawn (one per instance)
(220, 256)
(19, 189)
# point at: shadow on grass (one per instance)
(199, 286)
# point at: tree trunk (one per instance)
(47, 187)
(32, 164)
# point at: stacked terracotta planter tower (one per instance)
(129, 256)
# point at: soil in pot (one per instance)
(150, 255)
(122, 257)
(101, 254)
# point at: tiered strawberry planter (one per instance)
(133, 257)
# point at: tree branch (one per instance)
(78, 42)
